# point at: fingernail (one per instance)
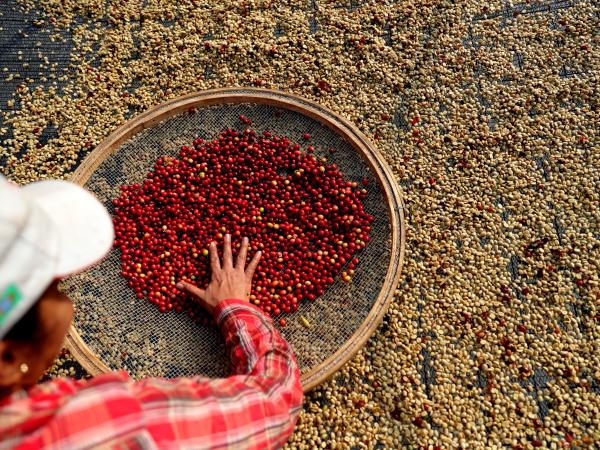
(245, 241)
(213, 243)
(259, 253)
(180, 285)
(227, 237)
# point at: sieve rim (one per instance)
(284, 100)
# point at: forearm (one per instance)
(265, 365)
(256, 348)
(250, 336)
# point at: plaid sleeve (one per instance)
(256, 408)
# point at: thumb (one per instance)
(191, 289)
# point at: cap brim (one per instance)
(82, 223)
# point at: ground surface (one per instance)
(487, 113)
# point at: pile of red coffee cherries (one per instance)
(299, 210)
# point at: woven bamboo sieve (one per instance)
(113, 330)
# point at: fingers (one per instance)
(242, 255)
(197, 294)
(227, 258)
(191, 289)
(252, 266)
(215, 265)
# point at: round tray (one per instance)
(112, 330)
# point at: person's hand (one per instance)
(227, 281)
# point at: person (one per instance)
(50, 229)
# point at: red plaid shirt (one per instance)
(256, 408)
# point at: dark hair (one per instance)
(27, 329)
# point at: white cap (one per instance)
(48, 229)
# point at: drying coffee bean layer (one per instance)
(307, 220)
(487, 113)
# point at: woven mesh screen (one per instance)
(132, 334)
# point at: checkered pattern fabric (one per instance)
(255, 408)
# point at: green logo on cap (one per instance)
(8, 299)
